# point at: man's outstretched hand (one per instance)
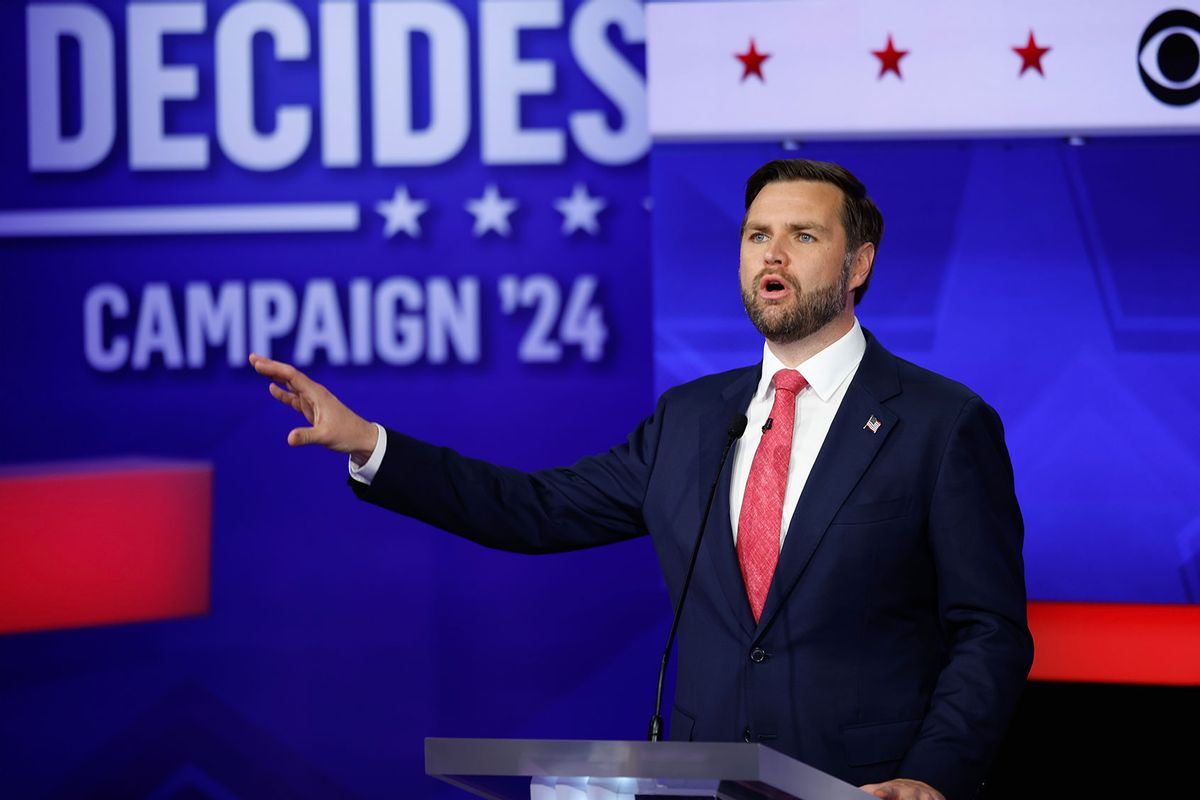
(333, 424)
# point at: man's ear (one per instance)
(860, 269)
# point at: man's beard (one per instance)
(804, 314)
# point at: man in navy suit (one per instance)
(859, 600)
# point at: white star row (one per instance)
(402, 212)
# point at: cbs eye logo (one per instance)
(1169, 57)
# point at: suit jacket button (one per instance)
(746, 735)
(758, 655)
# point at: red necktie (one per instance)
(761, 518)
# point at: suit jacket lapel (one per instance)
(717, 549)
(848, 450)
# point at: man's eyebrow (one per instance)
(794, 227)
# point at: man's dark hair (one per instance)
(860, 217)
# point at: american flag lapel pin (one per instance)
(872, 425)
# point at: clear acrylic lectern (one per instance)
(521, 769)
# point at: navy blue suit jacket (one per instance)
(893, 641)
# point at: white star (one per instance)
(401, 213)
(491, 212)
(580, 210)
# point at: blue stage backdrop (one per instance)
(442, 210)
(458, 250)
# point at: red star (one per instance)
(1031, 56)
(889, 59)
(752, 62)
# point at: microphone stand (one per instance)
(737, 426)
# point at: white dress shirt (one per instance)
(828, 373)
(366, 473)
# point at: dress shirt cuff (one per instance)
(366, 473)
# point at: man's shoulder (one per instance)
(915, 385)
(923, 392)
(916, 378)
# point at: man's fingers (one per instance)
(902, 789)
(295, 401)
(283, 395)
(281, 372)
(265, 366)
(332, 424)
(289, 385)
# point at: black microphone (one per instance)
(737, 426)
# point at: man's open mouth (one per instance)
(772, 287)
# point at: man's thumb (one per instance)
(301, 436)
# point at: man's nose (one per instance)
(774, 253)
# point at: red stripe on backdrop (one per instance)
(103, 544)
(1115, 643)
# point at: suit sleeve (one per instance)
(596, 501)
(976, 535)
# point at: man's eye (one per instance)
(758, 237)
(807, 237)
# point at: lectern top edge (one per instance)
(478, 764)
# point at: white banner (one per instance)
(881, 68)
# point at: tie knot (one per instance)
(788, 380)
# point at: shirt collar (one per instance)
(825, 371)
